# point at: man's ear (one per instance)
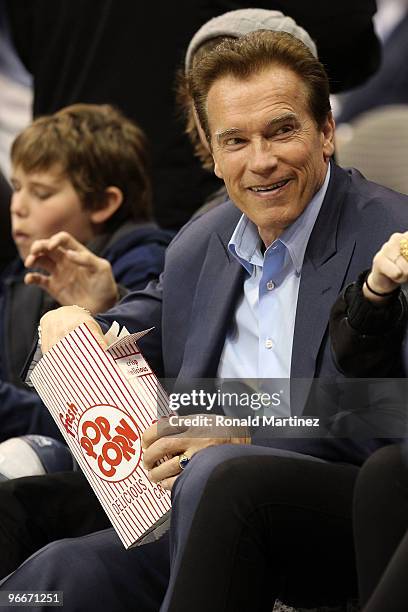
(328, 136)
(217, 170)
(113, 200)
(201, 133)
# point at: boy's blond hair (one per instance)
(96, 147)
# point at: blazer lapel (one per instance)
(327, 260)
(216, 295)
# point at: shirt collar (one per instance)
(245, 242)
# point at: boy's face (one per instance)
(44, 203)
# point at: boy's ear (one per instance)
(113, 200)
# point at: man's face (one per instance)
(267, 147)
(44, 203)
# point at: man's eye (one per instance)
(284, 129)
(230, 142)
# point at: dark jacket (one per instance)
(366, 337)
(366, 342)
(8, 249)
(387, 86)
(136, 253)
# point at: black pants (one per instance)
(265, 526)
(381, 536)
(36, 510)
(309, 536)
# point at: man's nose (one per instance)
(263, 157)
(19, 204)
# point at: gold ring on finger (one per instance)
(404, 248)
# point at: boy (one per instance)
(84, 172)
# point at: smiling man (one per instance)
(268, 147)
(246, 293)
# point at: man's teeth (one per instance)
(270, 187)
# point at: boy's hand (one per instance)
(74, 274)
(56, 324)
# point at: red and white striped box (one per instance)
(102, 401)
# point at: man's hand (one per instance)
(56, 324)
(390, 269)
(74, 274)
(163, 441)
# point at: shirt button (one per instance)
(270, 285)
(268, 343)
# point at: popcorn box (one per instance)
(102, 401)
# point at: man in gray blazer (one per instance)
(246, 293)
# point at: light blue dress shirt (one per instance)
(259, 342)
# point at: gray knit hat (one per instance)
(243, 21)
